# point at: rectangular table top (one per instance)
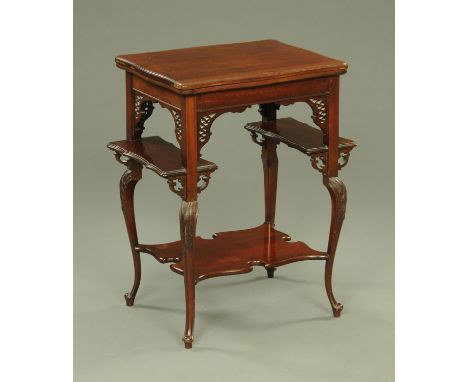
(230, 65)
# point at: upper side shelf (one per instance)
(158, 155)
(298, 135)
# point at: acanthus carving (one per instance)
(337, 191)
(188, 221)
(143, 110)
(128, 180)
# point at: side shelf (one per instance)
(295, 134)
(158, 155)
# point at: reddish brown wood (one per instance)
(298, 135)
(188, 222)
(288, 92)
(130, 106)
(270, 176)
(270, 164)
(127, 186)
(270, 170)
(216, 67)
(157, 93)
(189, 212)
(197, 85)
(158, 155)
(333, 126)
(335, 187)
(337, 191)
(241, 250)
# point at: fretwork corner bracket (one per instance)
(205, 121)
(204, 128)
(319, 106)
(319, 161)
(176, 116)
(177, 184)
(143, 110)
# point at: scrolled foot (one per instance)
(337, 310)
(129, 299)
(270, 272)
(188, 340)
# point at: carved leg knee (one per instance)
(337, 191)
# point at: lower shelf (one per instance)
(235, 252)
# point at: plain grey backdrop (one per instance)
(248, 327)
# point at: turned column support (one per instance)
(270, 170)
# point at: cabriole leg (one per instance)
(188, 222)
(127, 186)
(337, 191)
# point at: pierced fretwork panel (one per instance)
(319, 106)
(176, 115)
(177, 184)
(319, 161)
(206, 119)
(142, 111)
(204, 128)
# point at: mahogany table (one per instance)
(197, 85)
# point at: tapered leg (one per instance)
(270, 171)
(127, 186)
(270, 178)
(337, 191)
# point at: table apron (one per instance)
(264, 94)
